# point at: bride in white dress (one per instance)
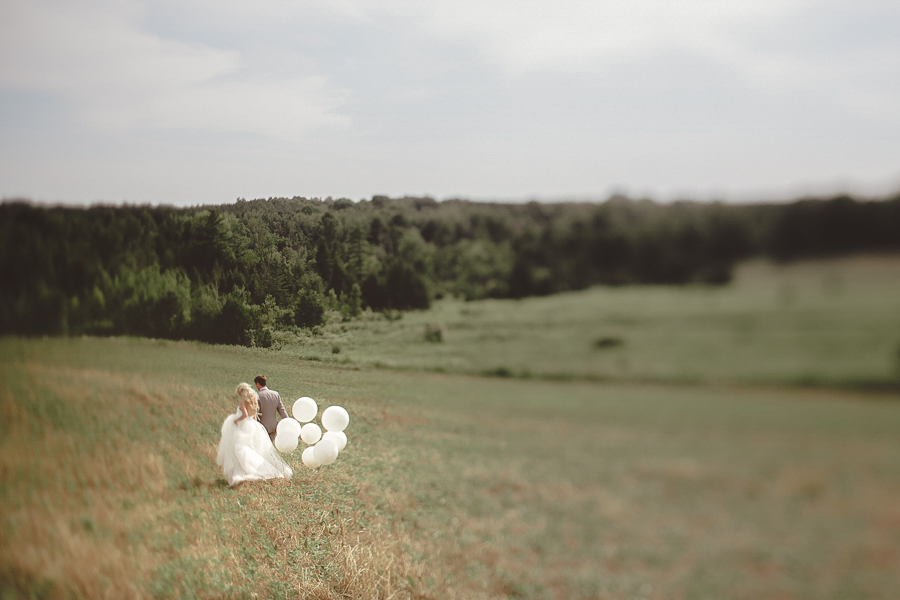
(245, 451)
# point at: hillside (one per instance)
(561, 484)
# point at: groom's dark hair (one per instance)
(261, 380)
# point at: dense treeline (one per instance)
(239, 273)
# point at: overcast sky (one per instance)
(202, 101)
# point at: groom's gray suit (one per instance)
(270, 403)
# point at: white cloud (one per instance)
(862, 80)
(90, 49)
(283, 109)
(522, 35)
(121, 77)
(519, 36)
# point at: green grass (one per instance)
(831, 322)
(452, 486)
(649, 484)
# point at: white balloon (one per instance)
(338, 437)
(310, 433)
(304, 409)
(335, 418)
(290, 426)
(286, 442)
(309, 457)
(326, 452)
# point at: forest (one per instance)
(240, 273)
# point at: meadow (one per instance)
(636, 442)
(825, 322)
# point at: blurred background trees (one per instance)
(239, 273)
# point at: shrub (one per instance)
(309, 309)
(435, 332)
(608, 342)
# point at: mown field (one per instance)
(697, 457)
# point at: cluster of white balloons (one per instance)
(323, 448)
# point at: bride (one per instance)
(245, 451)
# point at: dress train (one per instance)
(247, 454)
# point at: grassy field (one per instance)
(580, 480)
(816, 322)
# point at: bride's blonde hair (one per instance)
(246, 392)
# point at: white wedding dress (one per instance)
(246, 453)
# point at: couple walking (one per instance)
(246, 452)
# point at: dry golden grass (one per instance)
(65, 529)
(105, 487)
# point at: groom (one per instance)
(269, 403)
